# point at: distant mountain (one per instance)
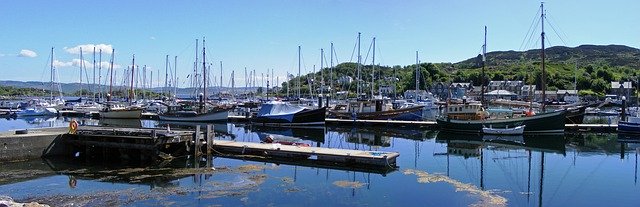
(611, 55)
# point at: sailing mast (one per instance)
(331, 79)
(175, 75)
(358, 85)
(81, 65)
(417, 77)
(321, 72)
(100, 75)
(52, 77)
(204, 77)
(113, 52)
(93, 87)
(166, 74)
(373, 70)
(133, 66)
(484, 60)
(298, 71)
(544, 95)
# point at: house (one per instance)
(501, 94)
(411, 94)
(440, 90)
(527, 92)
(620, 88)
(569, 96)
(387, 90)
(511, 86)
(551, 95)
(460, 90)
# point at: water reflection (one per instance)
(527, 170)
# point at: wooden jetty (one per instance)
(160, 143)
(372, 158)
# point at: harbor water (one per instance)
(435, 169)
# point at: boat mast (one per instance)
(204, 75)
(373, 70)
(484, 61)
(93, 87)
(81, 64)
(175, 75)
(321, 72)
(220, 89)
(113, 52)
(417, 77)
(298, 71)
(331, 79)
(166, 74)
(52, 77)
(358, 81)
(100, 75)
(544, 95)
(133, 66)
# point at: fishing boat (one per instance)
(375, 110)
(552, 122)
(283, 114)
(632, 125)
(544, 123)
(503, 131)
(119, 111)
(214, 115)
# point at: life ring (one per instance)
(73, 127)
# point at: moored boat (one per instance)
(632, 125)
(220, 115)
(116, 111)
(281, 113)
(503, 131)
(552, 122)
(375, 110)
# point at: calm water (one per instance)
(435, 169)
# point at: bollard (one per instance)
(196, 142)
(209, 138)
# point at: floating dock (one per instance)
(590, 127)
(346, 156)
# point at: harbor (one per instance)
(319, 103)
(480, 160)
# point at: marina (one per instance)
(319, 103)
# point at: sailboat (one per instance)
(552, 122)
(115, 110)
(375, 109)
(178, 113)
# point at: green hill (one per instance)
(597, 67)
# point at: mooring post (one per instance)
(196, 142)
(210, 135)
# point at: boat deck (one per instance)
(375, 158)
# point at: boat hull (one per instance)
(122, 114)
(405, 114)
(629, 127)
(575, 115)
(506, 131)
(304, 117)
(216, 116)
(552, 122)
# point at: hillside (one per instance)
(611, 55)
(597, 67)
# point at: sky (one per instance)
(265, 35)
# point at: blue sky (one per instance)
(265, 34)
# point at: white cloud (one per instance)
(87, 64)
(88, 48)
(27, 53)
(152, 38)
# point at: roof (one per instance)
(620, 84)
(501, 93)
